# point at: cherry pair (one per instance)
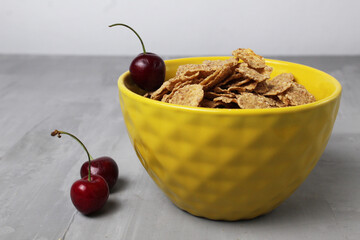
(98, 177)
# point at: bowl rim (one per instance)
(337, 92)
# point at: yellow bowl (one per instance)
(230, 164)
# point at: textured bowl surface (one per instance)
(230, 164)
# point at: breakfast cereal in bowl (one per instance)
(242, 81)
(231, 137)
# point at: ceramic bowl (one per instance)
(230, 164)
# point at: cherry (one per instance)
(103, 166)
(89, 194)
(148, 69)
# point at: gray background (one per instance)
(79, 94)
(187, 27)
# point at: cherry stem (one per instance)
(121, 24)
(58, 133)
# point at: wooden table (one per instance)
(80, 95)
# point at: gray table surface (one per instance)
(80, 95)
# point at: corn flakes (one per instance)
(242, 81)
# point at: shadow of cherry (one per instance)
(120, 185)
(110, 207)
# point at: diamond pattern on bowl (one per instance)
(227, 166)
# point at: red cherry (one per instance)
(103, 166)
(90, 193)
(89, 196)
(147, 70)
